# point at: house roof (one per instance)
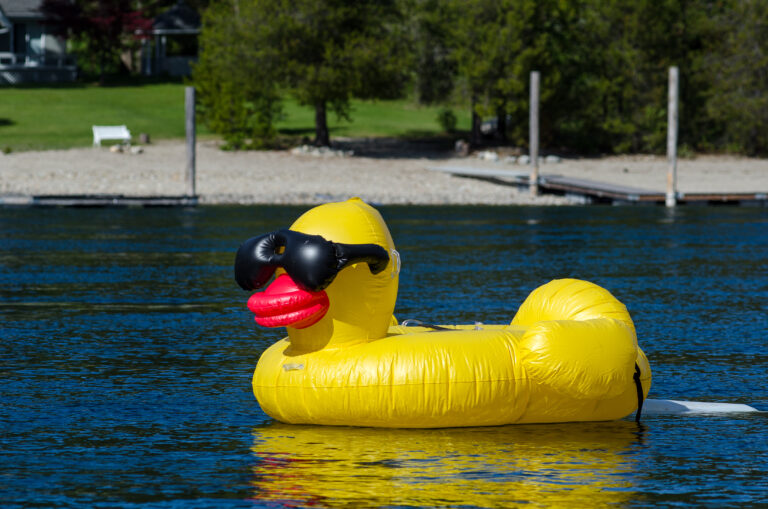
(179, 19)
(26, 9)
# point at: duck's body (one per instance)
(570, 354)
(552, 371)
(414, 378)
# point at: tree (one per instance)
(236, 76)
(603, 66)
(324, 52)
(605, 78)
(616, 72)
(101, 27)
(496, 43)
(738, 68)
(435, 65)
(334, 50)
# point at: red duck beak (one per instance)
(284, 304)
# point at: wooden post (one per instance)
(671, 200)
(534, 133)
(189, 107)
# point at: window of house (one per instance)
(5, 42)
(183, 45)
(20, 38)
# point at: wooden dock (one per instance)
(97, 200)
(600, 192)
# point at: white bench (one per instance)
(110, 132)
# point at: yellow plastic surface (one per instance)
(568, 355)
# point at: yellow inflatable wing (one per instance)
(570, 354)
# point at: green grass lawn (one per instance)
(61, 117)
(35, 118)
(401, 118)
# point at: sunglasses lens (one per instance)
(252, 269)
(310, 260)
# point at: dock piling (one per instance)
(189, 107)
(671, 198)
(534, 133)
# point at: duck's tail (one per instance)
(581, 344)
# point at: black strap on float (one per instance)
(419, 323)
(639, 386)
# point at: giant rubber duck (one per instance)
(569, 354)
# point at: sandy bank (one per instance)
(386, 177)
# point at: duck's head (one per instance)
(337, 275)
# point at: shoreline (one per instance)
(387, 178)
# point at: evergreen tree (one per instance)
(603, 64)
(496, 43)
(614, 74)
(435, 64)
(324, 52)
(236, 76)
(738, 69)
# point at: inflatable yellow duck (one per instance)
(569, 354)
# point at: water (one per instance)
(126, 354)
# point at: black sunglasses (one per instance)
(310, 260)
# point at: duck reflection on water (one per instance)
(553, 464)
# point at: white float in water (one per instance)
(669, 406)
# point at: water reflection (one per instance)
(558, 465)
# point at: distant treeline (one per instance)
(603, 64)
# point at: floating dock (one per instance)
(97, 200)
(591, 191)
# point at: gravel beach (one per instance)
(384, 174)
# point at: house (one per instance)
(29, 52)
(172, 44)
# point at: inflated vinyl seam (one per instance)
(396, 385)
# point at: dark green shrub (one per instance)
(447, 120)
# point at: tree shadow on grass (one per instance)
(303, 131)
(42, 86)
(141, 81)
(109, 82)
(6, 122)
(428, 147)
(413, 144)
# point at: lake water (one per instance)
(126, 355)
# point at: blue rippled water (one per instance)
(126, 353)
